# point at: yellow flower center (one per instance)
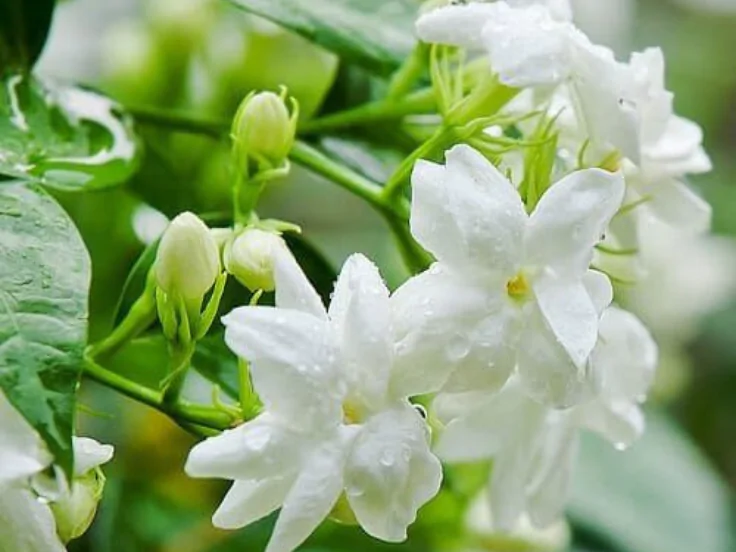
(517, 287)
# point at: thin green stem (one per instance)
(409, 73)
(419, 102)
(141, 315)
(415, 258)
(341, 175)
(182, 412)
(181, 357)
(439, 140)
(179, 121)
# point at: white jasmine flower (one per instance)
(332, 422)
(534, 447)
(508, 289)
(671, 148)
(528, 47)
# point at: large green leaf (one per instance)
(24, 25)
(376, 35)
(44, 282)
(660, 496)
(64, 137)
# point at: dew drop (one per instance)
(458, 347)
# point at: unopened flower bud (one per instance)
(188, 259)
(263, 129)
(75, 508)
(250, 258)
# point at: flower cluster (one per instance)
(511, 338)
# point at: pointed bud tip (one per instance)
(188, 258)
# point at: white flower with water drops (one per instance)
(534, 447)
(529, 48)
(335, 421)
(509, 290)
(671, 148)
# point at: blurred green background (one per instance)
(668, 494)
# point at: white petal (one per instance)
(487, 428)
(679, 150)
(560, 9)
(454, 25)
(391, 473)
(527, 47)
(258, 449)
(467, 213)
(293, 289)
(26, 524)
(491, 352)
(361, 317)
(447, 407)
(598, 86)
(311, 498)
(677, 205)
(249, 501)
(621, 422)
(546, 369)
(436, 316)
(553, 469)
(22, 452)
(512, 468)
(88, 454)
(570, 313)
(624, 361)
(292, 359)
(599, 288)
(571, 218)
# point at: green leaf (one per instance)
(64, 137)
(660, 496)
(24, 26)
(375, 35)
(44, 282)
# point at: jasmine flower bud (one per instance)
(250, 258)
(188, 259)
(263, 129)
(74, 509)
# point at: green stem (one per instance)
(181, 357)
(442, 138)
(181, 411)
(179, 121)
(141, 315)
(420, 102)
(341, 175)
(409, 73)
(415, 258)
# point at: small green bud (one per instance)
(263, 130)
(188, 259)
(250, 258)
(75, 511)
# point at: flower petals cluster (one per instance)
(334, 423)
(534, 456)
(604, 108)
(528, 47)
(516, 330)
(509, 291)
